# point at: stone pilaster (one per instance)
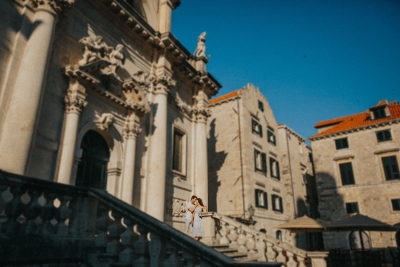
(158, 148)
(131, 132)
(74, 104)
(201, 164)
(19, 124)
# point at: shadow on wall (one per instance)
(215, 162)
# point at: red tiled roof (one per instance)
(223, 97)
(356, 121)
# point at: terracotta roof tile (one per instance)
(223, 97)
(356, 121)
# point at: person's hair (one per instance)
(200, 202)
(193, 197)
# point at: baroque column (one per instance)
(131, 131)
(158, 149)
(74, 104)
(21, 119)
(201, 113)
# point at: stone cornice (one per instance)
(283, 126)
(211, 105)
(367, 127)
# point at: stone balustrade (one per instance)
(222, 230)
(48, 223)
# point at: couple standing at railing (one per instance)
(193, 208)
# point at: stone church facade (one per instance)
(101, 94)
(260, 168)
(357, 171)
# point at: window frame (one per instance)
(256, 127)
(393, 172)
(383, 138)
(397, 200)
(278, 198)
(350, 207)
(342, 170)
(340, 145)
(261, 193)
(183, 154)
(260, 105)
(274, 165)
(271, 133)
(379, 113)
(261, 158)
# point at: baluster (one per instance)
(280, 257)
(127, 239)
(32, 211)
(189, 259)
(47, 214)
(291, 262)
(62, 215)
(260, 245)
(271, 253)
(224, 232)
(3, 204)
(233, 236)
(250, 245)
(114, 231)
(241, 242)
(301, 261)
(141, 248)
(156, 250)
(173, 258)
(13, 210)
(102, 224)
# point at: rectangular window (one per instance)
(379, 113)
(177, 157)
(346, 173)
(277, 204)
(274, 168)
(390, 167)
(261, 199)
(271, 136)
(396, 204)
(260, 161)
(260, 105)
(352, 207)
(256, 127)
(383, 136)
(341, 143)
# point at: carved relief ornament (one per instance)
(56, 6)
(162, 83)
(75, 102)
(132, 127)
(105, 121)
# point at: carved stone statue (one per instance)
(95, 49)
(116, 58)
(105, 121)
(201, 46)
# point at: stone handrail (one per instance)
(222, 230)
(42, 221)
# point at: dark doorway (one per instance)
(92, 170)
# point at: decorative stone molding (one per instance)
(132, 127)
(95, 49)
(56, 6)
(185, 108)
(178, 208)
(105, 121)
(134, 94)
(201, 114)
(75, 102)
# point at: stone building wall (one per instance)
(371, 190)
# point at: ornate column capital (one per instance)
(74, 102)
(132, 127)
(53, 6)
(201, 114)
(162, 84)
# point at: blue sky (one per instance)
(313, 60)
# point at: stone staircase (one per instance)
(235, 254)
(46, 224)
